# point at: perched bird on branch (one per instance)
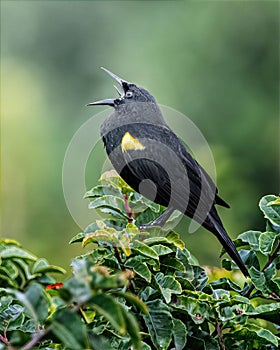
(154, 162)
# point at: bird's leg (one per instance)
(160, 220)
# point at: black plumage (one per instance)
(154, 162)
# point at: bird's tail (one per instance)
(214, 224)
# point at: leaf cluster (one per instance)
(142, 288)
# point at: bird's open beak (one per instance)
(106, 102)
(111, 101)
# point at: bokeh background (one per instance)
(215, 61)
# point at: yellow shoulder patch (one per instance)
(131, 143)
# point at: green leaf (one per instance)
(267, 240)
(161, 249)
(168, 286)
(252, 238)
(145, 217)
(275, 202)
(179, 334)
(78, 237)
(271, 209)
(10, 269)
(69, 329)
(258, 279)
(94, 226)
(115, 205)
(37, 298)
(249, 257)
(8, 241)
(234, 312)
(173, 220)
(263, 281)
(155, 240)
(225, 283)
(133, 299)
(132, 328)
(144, 249)
(186, 257)
(105, 305)
(105, 233)
(16, 252)
(173, 237)
(203, 340)
(200, 277)
(101, 191)
(226, 264)
(196, 309)
(159, 323)
(253, 332)
(145, 346)
(147, 293)
(42, 266)
(269, 312)
(132, 229)
(9, 312)
(17, 323)
(138, 204)
(139, 267)
(35, 302)
(172, 263)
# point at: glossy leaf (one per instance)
(159, 323)
(132, 328)
(42, 266)
(271, 209)
(115, 205)
(252, 238)
(139, 267)
(179, 334)
(174, 238)
(105, 305)
(144, 249)
(253, 332)
(196, 309)
(133, 299)
(101, 191)
(16, 252)
(168, 285)
(69, 329)
(172, 263)
(161, 249)
(267, 240)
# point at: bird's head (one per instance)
(130, 93)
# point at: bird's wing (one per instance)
(178, 177)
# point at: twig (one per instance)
(4, 339)
(41, 334)
(127, 208)
(37, 337)
(220, 335)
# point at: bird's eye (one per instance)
(129, 94)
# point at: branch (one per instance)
(127, 208)
(4, 339)
(220, 335)
(37, 337)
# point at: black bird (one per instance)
(154, 162)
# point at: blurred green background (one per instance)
(215, 61)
